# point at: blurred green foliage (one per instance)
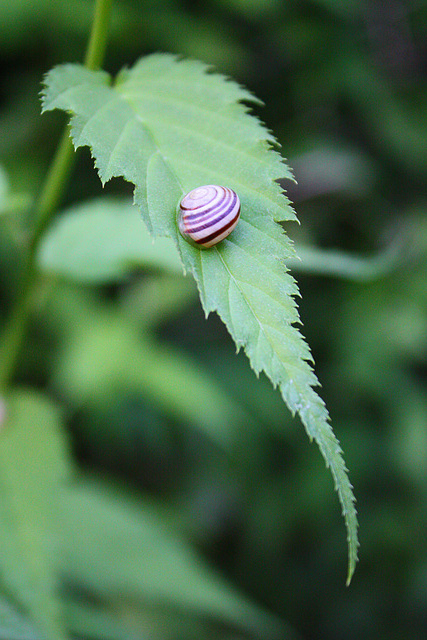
(345, 91)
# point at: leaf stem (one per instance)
(338, 264)
(46, 205)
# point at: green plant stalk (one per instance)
(97, 45)
(51, 194)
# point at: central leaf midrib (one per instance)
(259, 323)
(139, 117)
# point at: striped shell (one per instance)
(208, 214)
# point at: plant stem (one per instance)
(97, 45)
(51, 194)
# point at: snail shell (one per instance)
(208, 214)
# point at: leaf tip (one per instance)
(351, 570)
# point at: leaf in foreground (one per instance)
(169, 126)
(13, 626)
(33, 461)
(141, 560)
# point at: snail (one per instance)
(208, 214)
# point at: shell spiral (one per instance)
(208, 214)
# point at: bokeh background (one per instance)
(345, 91)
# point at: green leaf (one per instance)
(4, 188)
(90, 621)
(102, 241)
(168, 126)
(13, 626)
(33, 461)
(119, 548)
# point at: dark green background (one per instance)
(344, 84)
